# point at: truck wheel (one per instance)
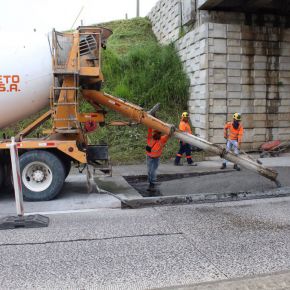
(42, 175)
(1, 175)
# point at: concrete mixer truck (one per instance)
(59, 71)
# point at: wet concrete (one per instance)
(228, 182)
(140, 182)
(214, 182)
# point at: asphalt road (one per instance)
(150, 247)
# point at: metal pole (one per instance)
(16, 178)
(20, 221)
(138, 8)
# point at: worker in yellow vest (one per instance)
(184, 147)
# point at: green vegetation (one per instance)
(143, 72)
(17, 127)
(137, 68)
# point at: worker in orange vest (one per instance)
(184, 147)
(233, 133)
(155, 145)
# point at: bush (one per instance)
(146, 75)
(143, 72)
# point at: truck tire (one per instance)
(67, 167)
(42, 175)
(1, 175)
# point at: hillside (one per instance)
(140, 70)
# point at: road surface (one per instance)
(150, 247)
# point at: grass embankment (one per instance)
(143, 72)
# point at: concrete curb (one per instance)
(203, 198)
(273, 281)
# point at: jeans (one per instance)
(152, 165)
(232, 145)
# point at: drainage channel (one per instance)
(160, 198)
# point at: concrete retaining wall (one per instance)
(236, 63)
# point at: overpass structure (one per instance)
(237, 56)
(252, 6)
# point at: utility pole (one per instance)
(138, 8)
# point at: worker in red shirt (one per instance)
(155, 145)
(184, 147)
(233, 133)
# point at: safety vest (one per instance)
(156, 145)
(233, 134)
(185, 127)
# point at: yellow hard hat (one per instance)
(237, 116)
(184, 115)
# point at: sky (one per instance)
(44, 15)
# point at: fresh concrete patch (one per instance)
(210, 187)
(140, 183)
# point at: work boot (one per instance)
(151, 187)
(178, 164)
(237, 167)
(224, 166)
(192, 164)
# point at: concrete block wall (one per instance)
(166, 20)
(249, 72)
(193, 52)
(236, 64)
